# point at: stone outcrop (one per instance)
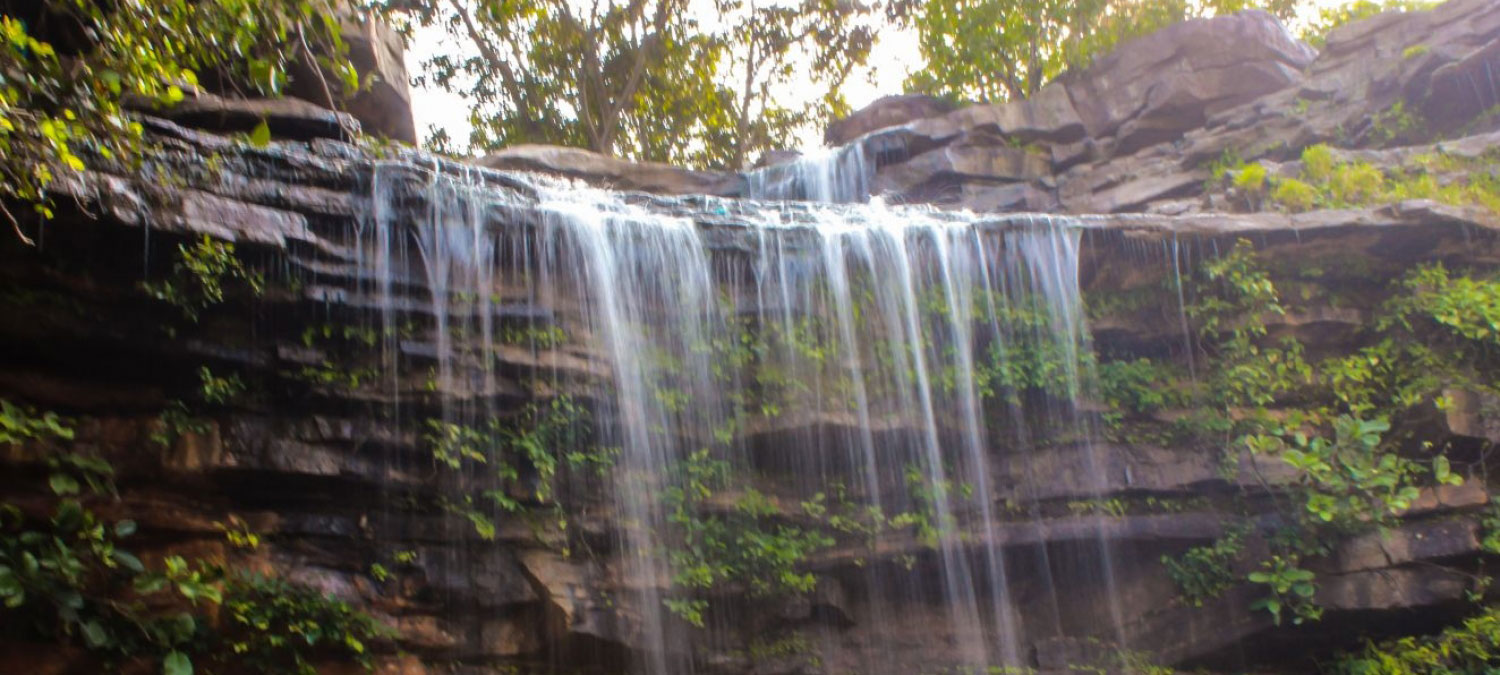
(383, 102)
(1136, 130)
(888, 111)
(1156, 88)
(612, 172)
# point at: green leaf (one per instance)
(95, 635)
(125, 528)
(69, 515)
(63, 484)
(176, 663)
(129, 561)
(151, 583)
(261, 136)
(1441, 470)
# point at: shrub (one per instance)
(1294, 195)
(1317, 163)
(1251, 179)
(1357, 183)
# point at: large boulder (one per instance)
(1158, 87)
(612, 172)
(287, 118)
(886, 111)
(383, 103)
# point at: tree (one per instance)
(776, 47)
(69, 66)
(644, 79)
(994, 50)
(550, 71)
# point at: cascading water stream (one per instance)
(886, 356)
(841, 175)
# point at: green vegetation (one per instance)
(66, 575)
(1203, 572)
(199, 277)
(279, 627)
(1338, 423)
(532, 335)
(502, 463)
(649, 81)
(1291, 590)
(1327, 182)
(744, 546)
(1470, 647)
(65, 93)
(180, 417)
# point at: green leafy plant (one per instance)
(1294, 195)
(1204, 572)
(1250, 180)
(1351, 482)
(1472, 646)
(199, 276)
(1291, 590)
(745, 546)
(64, 106)
(279, 627)
(68, 577)
(19, 424)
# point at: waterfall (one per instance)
(839, 175)
(856, 369)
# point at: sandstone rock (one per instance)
(569, 588)
(383, 106)
(1007, 198)
(1048, 115)
(1157, 87)
(1475, 414)
(426, 632)
(1399, 588)
(887, 111)
(776, 158)
(962, 162)
(1444, 498)
(378, 54)
(612, 172)
(510, 636)
(1421, 540)
(1459, 91)
(286, 117)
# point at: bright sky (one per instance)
(894, 56)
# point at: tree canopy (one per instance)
(677, 81)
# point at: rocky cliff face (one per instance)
(351, 352)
